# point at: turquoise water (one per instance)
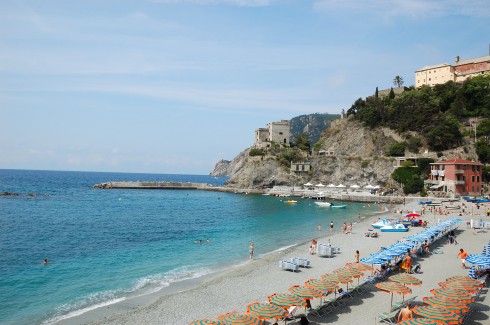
(106, 245)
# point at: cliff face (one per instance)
(222, 168)
(349, 154)
(311, 124)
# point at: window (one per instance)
(473, 178)
(464, 167)
(473, 167)
(478, 168)
(478, 179)
(280, 133)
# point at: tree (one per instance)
(376, 94)
(302, 142)
(398, 81)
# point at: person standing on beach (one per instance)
(350, 228)
(331, 226)
(251, 251)
(463, 255)
(357, 256)
(344, 228)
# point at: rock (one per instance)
(222, 168)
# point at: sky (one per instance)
(173, 86)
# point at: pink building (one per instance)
(458, 176)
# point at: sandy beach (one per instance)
(235, 288)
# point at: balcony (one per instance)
(459, 172)
(459, 182)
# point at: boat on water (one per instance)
(339, 206)
(323, 203)
(382, 223)
(394, 228)
(290, 202)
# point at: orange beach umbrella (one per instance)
(266, 310)
(462, 295)
(286, 300)
(393, 287)
(406, 279)
(438, 314)
(465, 286)
(235, 318)
(321, 285)
(306, 292)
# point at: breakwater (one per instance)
(145, 185)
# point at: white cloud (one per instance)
(241, 3)
(412, 8)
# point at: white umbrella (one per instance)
(340, 186)
(369, 186)
(376, 187)
(331, 185)
(354, 186)
(308, 184)
(319, 185)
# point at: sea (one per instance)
(107, 245)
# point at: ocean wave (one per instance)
(143, 286)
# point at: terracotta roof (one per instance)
(474, 60)
(457, 161)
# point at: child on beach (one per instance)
(463, 255)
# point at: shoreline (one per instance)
(131, 304)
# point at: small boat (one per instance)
(323, 203)
(339, 206)
(290, 202)
(381, 223)
(425, 202)
(394, 228)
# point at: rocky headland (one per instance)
(347, 152)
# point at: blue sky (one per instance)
(172, 86)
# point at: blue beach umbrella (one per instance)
(472, 272)
(484, 251)
(488, 249)
(479, 259)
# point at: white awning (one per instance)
(437, 186)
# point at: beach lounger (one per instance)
(288, 265)
(325, 250)
(303, 262)
(336, 250)
(388, 317)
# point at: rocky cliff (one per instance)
(222, 168)
(348, 153)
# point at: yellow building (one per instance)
(460, 71)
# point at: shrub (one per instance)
(414, 144)
(397, 149)
(256, 152)
(364, 164)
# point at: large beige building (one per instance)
(277, 132)
(460, 71)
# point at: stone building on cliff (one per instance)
(278, 132)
